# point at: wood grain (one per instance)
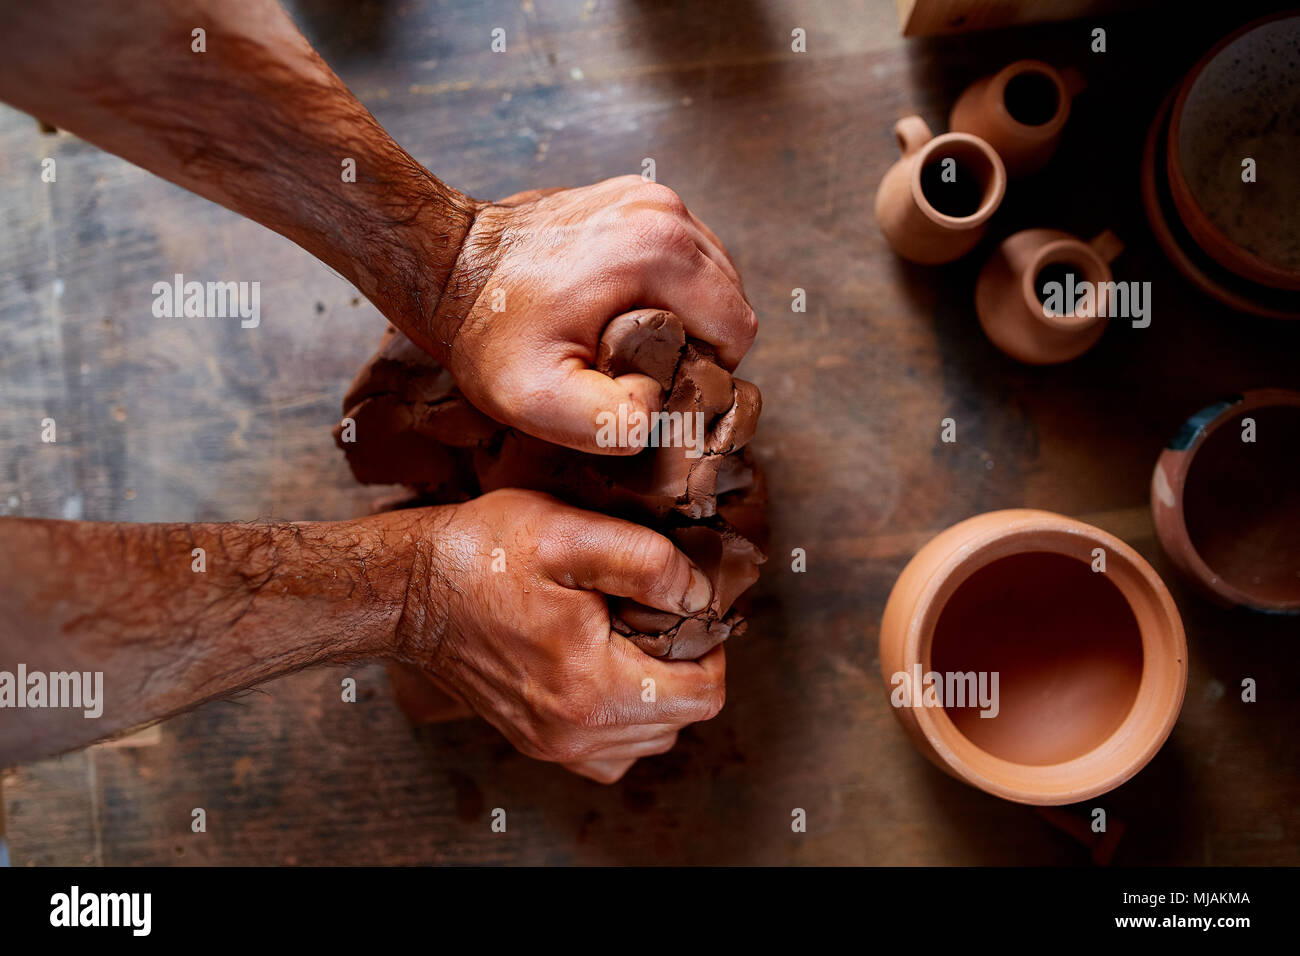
(780, 153)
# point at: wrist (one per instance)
(414, 261)
(404, 564)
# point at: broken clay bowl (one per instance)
(1026, 323)
(1091, 664)
(934, 203)
(1225, 498)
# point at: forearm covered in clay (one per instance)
(158, 618)
(244, 112)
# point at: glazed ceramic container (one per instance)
(1225, 497)
(1242, 101)
(1019, 111)
(930, 218)
(1010, 304)
(1092, 664)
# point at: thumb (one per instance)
(620, 558)
(585, 409)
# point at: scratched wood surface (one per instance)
(780, 153)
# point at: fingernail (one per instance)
(699, 594)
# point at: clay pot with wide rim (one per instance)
(1091, 664)
(1225, 498)
(934, 203)
(1204, 273)
(1012, 310)
(1020, 111)
(1240, 61)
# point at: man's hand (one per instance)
(175, 615)
(260, 124)
(529, 646)
(542, 273)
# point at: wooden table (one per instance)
(780, 152)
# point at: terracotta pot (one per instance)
(925, 218)
(1231, 105)
(1092, 665)
(1228, 510)
(1019, 111)
(1007, 294)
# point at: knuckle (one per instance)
(712, 699)
(664, 197)
(648, 557)
(568, 747)
(656, 229)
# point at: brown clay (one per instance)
(1020, 111)
(1092, 664)
(1227, 510)
(926, 218)
(1008, 294)
(414, 427)
(1235, 103)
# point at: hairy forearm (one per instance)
(174, 615)
(257, 123)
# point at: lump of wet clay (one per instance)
(697, 483)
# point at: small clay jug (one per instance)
(1225, 498)
(1083, 635)
(1019, 111)
(933, 204)
(1023, 320)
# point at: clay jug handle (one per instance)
(912, 133)
(1107, 245)
(1074, 80)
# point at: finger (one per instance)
(683, 692)
(717, 251)
(569, 403)
(634, 750)
(598, 553)
(710, 248)
(602, 771)
(708, 303)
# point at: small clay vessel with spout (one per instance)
(1020, 111)
(1042, 296)
(933, 204)
(1033, 656)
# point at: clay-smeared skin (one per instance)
(259, 123)
(528, 647)
(1065, 644)
(414, 427)
(511, 296)
(1242, 503)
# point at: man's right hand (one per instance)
(523, 635)
(541, 274)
